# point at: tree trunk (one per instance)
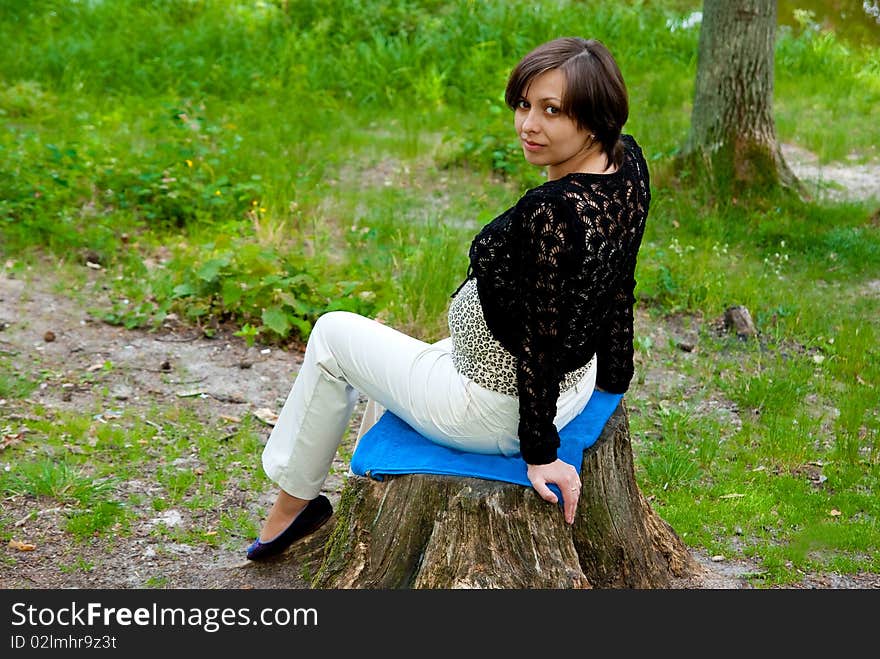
(425, 531)
(733, 134)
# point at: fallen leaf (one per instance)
(21, 546)
(95, 367)
(717, 558)
(733, 495)
(266, 415)
(228, 398)
(8, 440)
(210, 532)
(189, 394)
(834, 512)
(230, 419)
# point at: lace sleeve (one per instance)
(547, 244)
(614, 355)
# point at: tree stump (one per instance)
(426, 531)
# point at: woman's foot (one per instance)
(296, 518)
(281, 514)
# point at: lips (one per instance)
(532, 146)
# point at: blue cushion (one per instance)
(392, 446)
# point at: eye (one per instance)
(552, 110)
(522, 104)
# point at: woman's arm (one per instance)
(551, 248)
(546, 245)
(614, 352)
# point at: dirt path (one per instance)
(835, 181)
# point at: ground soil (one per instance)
(155, 367)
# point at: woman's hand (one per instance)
(565, 477)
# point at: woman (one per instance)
(543, 317)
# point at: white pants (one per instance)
(346, 354)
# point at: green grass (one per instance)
(12, 383)
(56, 480)
(242, 163)
(79, 565)
(82, 466)
(156, 582)
(766, 486)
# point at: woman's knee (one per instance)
(331, 320)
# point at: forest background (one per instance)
(239, 168)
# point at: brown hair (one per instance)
(595, 94)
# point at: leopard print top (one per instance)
(479, 356)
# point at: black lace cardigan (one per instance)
(555, 275)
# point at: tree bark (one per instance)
(425, 531)
(733, 133)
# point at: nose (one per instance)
(530, 123)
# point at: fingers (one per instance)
(544, 492)
(570, 497)
(565, 477)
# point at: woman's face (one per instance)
(550, 138)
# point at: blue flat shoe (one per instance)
(309, 520)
